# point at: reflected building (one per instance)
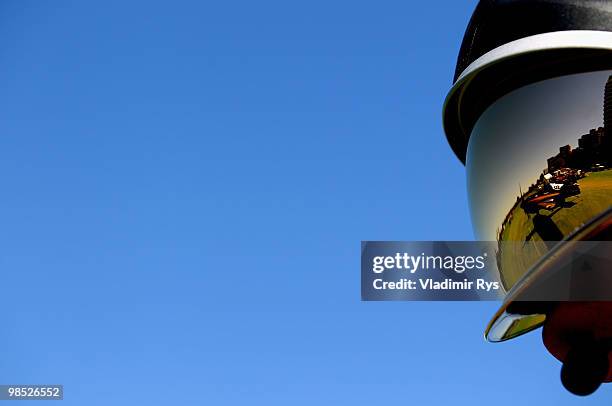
(608, 108)
(594, 147)
(608, 120)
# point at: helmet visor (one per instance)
(539, 166)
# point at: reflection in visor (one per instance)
(539, 166)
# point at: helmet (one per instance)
(530, 115)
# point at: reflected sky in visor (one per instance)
(509, 149)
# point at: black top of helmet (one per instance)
(497, 22)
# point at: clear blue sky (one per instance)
(185, 186)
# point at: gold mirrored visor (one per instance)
(539, 170)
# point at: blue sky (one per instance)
(185, 186)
